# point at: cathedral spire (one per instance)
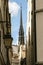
(21, 31)
(21, 24)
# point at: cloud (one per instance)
(13, 8)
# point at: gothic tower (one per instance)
(21, 44)
(21, 31)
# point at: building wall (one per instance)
(22, 55)
(22, 52)
(3, 49)
(10, 55)
(15, 49)
(28, 33)
(36, 33)
(3, 9)
(15, 58)
(39, 31)
(0, 62)
(3, 13)
(5, 29)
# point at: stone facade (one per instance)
(29, 42)
(5, 34)
(22, 55)
(15, 58)
(36, 33)
(38, 25)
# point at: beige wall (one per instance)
(27, 31)
(3, 9)
(15, 49)
(10, 55)
(22, 53)
(3, 49)
(15, 61)
(15, 58)
(28, 18)
(29, 9)
(39, 4)
(39, 34)
(3, 12)
(39, 30)
(0, 3)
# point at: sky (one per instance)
(14, 9)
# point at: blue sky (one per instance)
(14, 9)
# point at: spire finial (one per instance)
(21, 15)
(21, 31)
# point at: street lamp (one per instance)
(8, 40)
(8, 43)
